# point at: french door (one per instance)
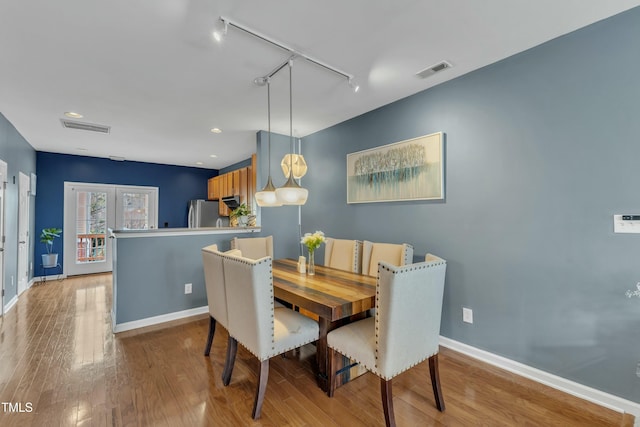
(91, 210)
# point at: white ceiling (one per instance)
(151, 70)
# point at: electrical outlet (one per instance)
(187, 288)
(467, 315)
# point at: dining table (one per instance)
(336, 297)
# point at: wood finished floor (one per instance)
(57, 352)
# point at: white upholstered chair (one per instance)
(394, 254)
(404, 331)
(215, 288)
(254, 247)
(255, 324)
(343, 254)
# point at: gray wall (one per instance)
(541, 150)
(20, 157)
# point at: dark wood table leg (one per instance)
(341, 364)
(321, 354)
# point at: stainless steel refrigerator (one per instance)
(203, 213)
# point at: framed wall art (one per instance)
(405, 170)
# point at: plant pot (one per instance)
(243, 220)
(49, 260)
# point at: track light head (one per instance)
(220, 30)
(353, 85)
(261, 81)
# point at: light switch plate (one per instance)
(625, 226)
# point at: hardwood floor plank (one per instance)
(57, 351)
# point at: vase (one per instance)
(311, 268)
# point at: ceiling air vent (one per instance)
(70, 124)
(429, 71)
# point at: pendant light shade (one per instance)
(267, 197)
(299, 165)
(291, 193)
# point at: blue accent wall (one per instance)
(19, 156)
(542, 149)
(177, 185)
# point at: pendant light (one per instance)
(299, 165)
(291, 193)
(267, 197)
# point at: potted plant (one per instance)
(48, 236)
(241, 214)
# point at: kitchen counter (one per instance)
(182, 231)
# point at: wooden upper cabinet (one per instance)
(235, 182)
(213, 188)
(242, 187)
(240, 182)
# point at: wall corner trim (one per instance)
(575, 389)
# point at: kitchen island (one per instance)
(152, 270)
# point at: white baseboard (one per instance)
(149, 321)
(583, 392)
(50, 278)
(8, 306)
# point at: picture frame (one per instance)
(407, 170)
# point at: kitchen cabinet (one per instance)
(213, 188)
(240, 183)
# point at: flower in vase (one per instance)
(313, 241)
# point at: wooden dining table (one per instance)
(337, 297)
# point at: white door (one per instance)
(90, 210)
(23, 231)
(3, 186)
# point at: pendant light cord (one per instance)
(291, 114)
(269, 122)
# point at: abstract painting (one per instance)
(405, 170)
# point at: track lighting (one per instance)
(353, 85)
(220, 30)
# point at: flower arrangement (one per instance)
(635, 293)
(313, 241)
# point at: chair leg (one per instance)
(332, 372)
(435, 382)
(387, 402)
(212, 330)
(232, 349)
(262, 387)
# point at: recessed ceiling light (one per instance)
(199, 163)
(73, 115)
(81, 149)
(213, 155)
(216, 130)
